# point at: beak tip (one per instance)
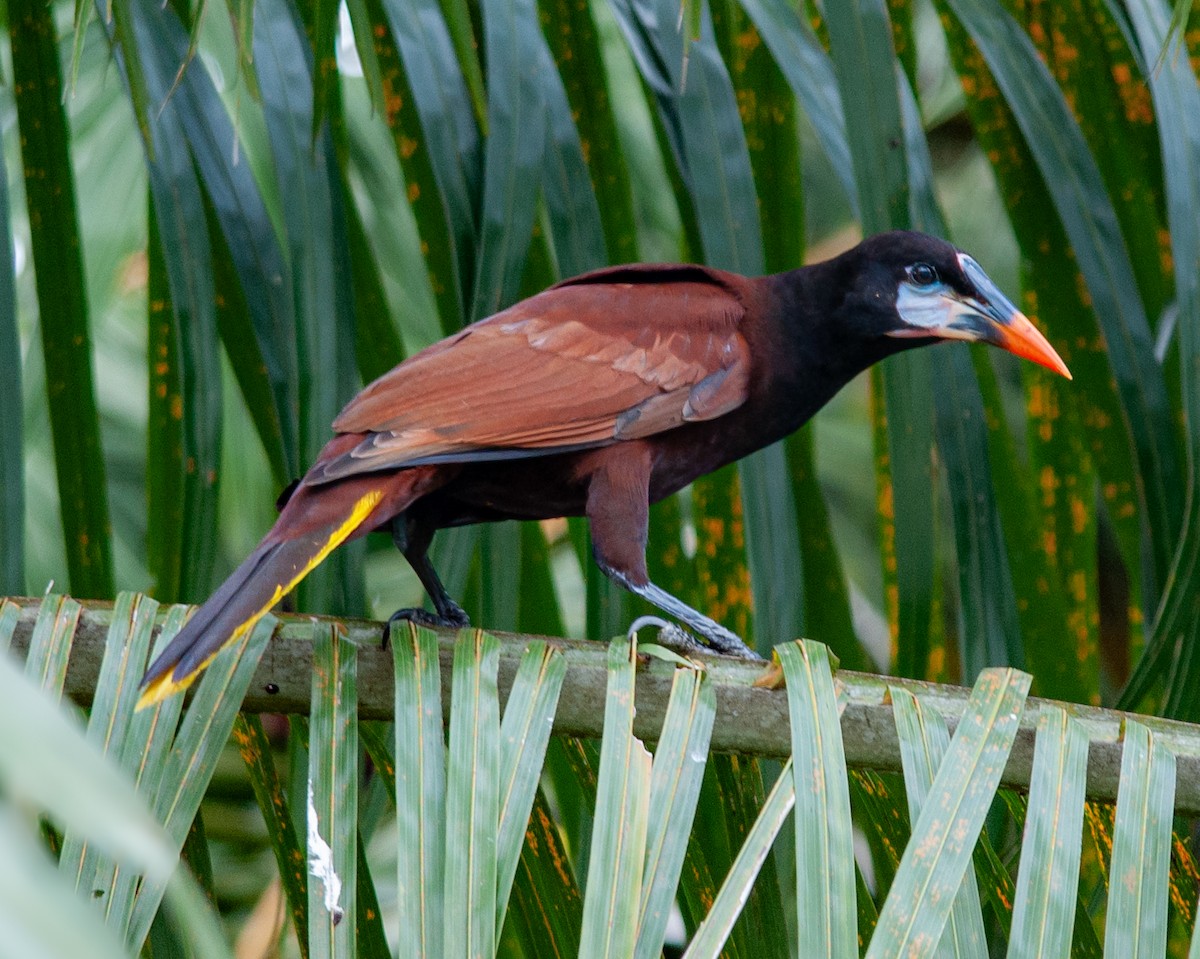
(1024, 339)
(1057, 365)
(1054, 363)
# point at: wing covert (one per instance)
(573, 367)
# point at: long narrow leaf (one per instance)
(50, 644)
(571, 206)
(184, 440)
(547, 908)
(937, 857)
(235, 324)
(861, 45)
(332, 799)
(524, 733)
(125, 650)
(286, 80)
(472, 797)
(12, 473)
(458, 19)
(1173, 85)
(164, 432)
(617, 860)
(512, 153)
(880, 799)
(378, 343)
(709, 939)
(1137, 897)
(438, 248)
(924, 740)
(578, 57)
(451, 133)
(1087, 215)
(810, 73)
(62, 298)
(204, 125)
(368, 916)
(321, 25)
(49, 763)
(704, 129)
(1044, 910)
(273, 803)
(675, 783)
(183, 777)
(122, 16)
(420, 791)
(827, 922)
(989, 633)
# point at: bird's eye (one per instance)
(922, 274)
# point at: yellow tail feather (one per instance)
(169, 684)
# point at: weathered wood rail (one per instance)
(750, 719)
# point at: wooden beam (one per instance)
(750, 720)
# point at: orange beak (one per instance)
(1023, 339)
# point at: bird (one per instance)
(597, 397)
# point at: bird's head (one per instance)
(916, 287)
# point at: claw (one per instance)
(422, 617)
(670, 635)
(643, 621)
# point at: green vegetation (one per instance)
(223, 221)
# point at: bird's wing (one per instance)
(584, 364)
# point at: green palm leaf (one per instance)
(301, 214)
(932, 868)
(1083, 206)
(332, 801)
(610, 904)
(62, 300)
(1176, 99)
(1044, 911)
(675, 784)
(524, 733)
(827, 921)
(924, 740)
(12, 476)
(1137, 901)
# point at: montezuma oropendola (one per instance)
(597, 397)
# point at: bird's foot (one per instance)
(669, 634)
(713, 637)
(452, 618)
(673, 636)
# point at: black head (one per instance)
(915, 287)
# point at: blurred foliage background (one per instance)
(224, 220)
(203, 365)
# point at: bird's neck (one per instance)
(824, 345)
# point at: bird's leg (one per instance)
(716, 637)
(618, 508)
(412, 539)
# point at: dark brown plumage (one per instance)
(605, 393)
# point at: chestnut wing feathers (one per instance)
(566, 369)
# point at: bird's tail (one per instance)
(297, 544)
